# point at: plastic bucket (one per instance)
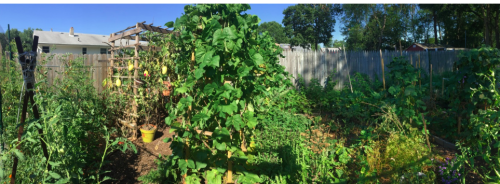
(148, 135)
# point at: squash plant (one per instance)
(228, 69)
(406, 94)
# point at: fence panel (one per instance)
(311, 64)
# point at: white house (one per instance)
(76, 43)
(331, 49)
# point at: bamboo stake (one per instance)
(382, 64)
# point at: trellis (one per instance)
(131, 33)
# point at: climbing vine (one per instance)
(228, 71)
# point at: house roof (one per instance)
(429, 46)
(331, 49)
(63, 38)
(296, 48)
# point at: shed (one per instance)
(424, 47)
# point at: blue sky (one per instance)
(105, 19)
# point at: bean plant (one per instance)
(229, 70)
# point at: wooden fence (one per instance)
(311, 64)
(56, 64)
(308, 64)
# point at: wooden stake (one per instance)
(349, 72)
(425, 130)
(136, 75)
(430, 83)
(382, 64)
(243, 142)
(186, 159)
(229, 178)
(419, 67)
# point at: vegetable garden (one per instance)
(238, 118)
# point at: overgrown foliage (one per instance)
(76, 130)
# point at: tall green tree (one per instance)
(275, 30)
(26, 38)
(310, 24)
(335, 43)
(373, 26)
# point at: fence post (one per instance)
(382, 65)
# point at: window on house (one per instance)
(84, 50)
(45, 49)
(103, 50)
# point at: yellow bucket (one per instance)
(148, 135)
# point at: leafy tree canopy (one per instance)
(275, 30)
(310, 23)
(26, 38)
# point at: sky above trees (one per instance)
(358, 26)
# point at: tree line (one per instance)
(26, 38)
(388, 26)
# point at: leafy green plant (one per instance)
(475, 100)
(229, 70)
(406, 94)
(75, 131)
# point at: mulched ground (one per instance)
(127, 167)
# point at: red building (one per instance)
(423, 47)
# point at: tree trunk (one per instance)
(434, 17)
(497, 30)
(440, 34)
(400, 48)
(382, 32)
(485, 25)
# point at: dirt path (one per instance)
(127, 167)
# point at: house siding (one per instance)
(64, 49)
(416, 48)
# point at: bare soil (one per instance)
(127, 167)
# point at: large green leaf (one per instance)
(236, 121)
(169, 24)
(200, 117)
(182, 89)
(183, 166)
(250, 119)
(209, 88)
(218, 37)
(230, 33)
(198, 73)
(215, 61)
(213, 177)
(191, 164)
(230, 108)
